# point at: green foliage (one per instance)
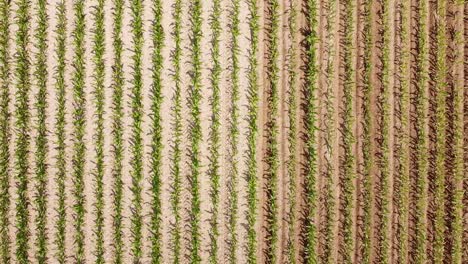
(403, 135)
(177, 136)
(440, 133)
(195, 136)
(41, 176)
(99, 74)
(367, 140)
(384, 161)
(292, 133)
(60, 122)
(458, 138)
(311, 132)
(349, 168)
(215, 145)
(117, 130)
(330, 135)
(272, 148)
(252, 133)
(5, 135)
(234, 134)
(136, 7)
(22, 122)
(79, 123)
(157, 144)
(421, 162)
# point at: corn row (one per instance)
(117, 131)
(60, 122)
(157, 145)
(41, 139)
(5, 133)
(22, 122)
(215, 144)
(234, 134)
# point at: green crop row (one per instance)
(215, 143)
(440, 134)
(41, 175)
(177, 136)
(292, 133)
(458, 137)
(117, 130)
(4, 131)
(403, 195)
(22, 122)
(156, 145)
(195, 135)
(349, 160)
(272, 132)
(136, 7)
(99, 74)
(310, 123)
(330, 134)
(367, 140)
(384, 162)
(79, 119)
(252, 133)
(60, 122)
(234, 133)
(422, 78)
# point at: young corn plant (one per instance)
(195, 136)
(310, 124)
(117, 131)
(367, 138)
(421, 163)
(272, 148)
(234, 134)
(41, 173)
(215, 144)
(252, 134)
(99, 97)
(5, 134)
(349, 160)
(60, 122)
(440, 133)
(79, 123)
(136, 7)
(458, 172)
(384, 161)
(157, 144)
(177, 136)
(22, 122)
(330, 135)
(292, 55)
(403, 195)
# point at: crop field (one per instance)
(234, 131)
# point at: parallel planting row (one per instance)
(233, 131)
